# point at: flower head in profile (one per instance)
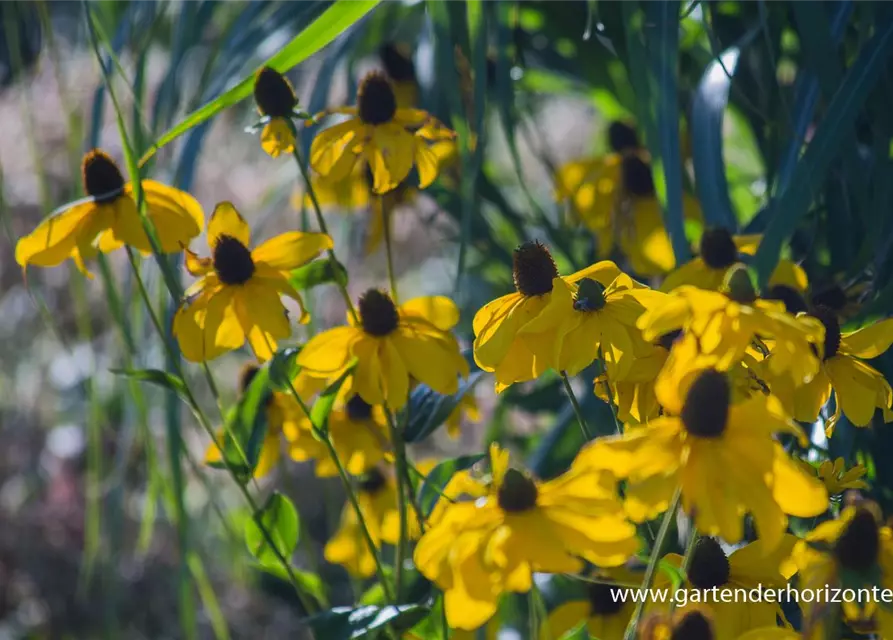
(598, 604)
(749, 567)
(358, 431)
(718, 250)
(390, 139)
(400, 69)
(693, 623)
(477, 550)
(615, 198)
(237, 295)
(727, 323)
(853, 552)
(387, 344)
(837, 477)
(277, 105)
(283, 414)
(107, 219)
(377, 496)
(719, 446)
(860, 389)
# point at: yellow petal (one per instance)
(227, 221)
(331, 153)
(262, 316)
(426, 162)
(390, 155)
(291, 249)
(856, 387)
(869, 341)
(54, 239)
(277, 137)
(330, 351)
(438, 310)
(178, 217)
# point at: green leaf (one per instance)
(319, 413)
(309, 582)
(438, 478)
(347, 623)
(674, 573)
(580, 632)
(429, 409)
(279, 518)
(707, 111)
(316, 273)
(321, 32)
(790, 206)
(283, 368)
(246, 426)
(157, 377)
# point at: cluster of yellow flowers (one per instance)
(706, 374)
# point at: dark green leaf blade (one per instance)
(157, 377)
(347, 623)
(440, 475)
(279, 519)
(429, 409)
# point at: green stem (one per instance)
(351, 493)
(651, 569)
(386, 230)
(686, 559)
(610, 391)
(576, 405)
(402, 493)
(320, 220)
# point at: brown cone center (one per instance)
(705, 412)
(376, 102)
(533, 269)
(517, 493)
(232, 261)
(101, 176)
(378, 313)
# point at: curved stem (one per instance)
(320, 220)
(651, 569)
(386, 230)
(576, 405)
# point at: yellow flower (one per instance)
(109, 212)
(377, 497)
(237, 294)
(392, 140)
(858, 387)
(503, 343)
(750, 567)
(771, 633)
(283, 415)
(389, 344)
(467, 409)
(726, 325)
(721, 452)
(718, 250)
(605, 614)
(358, 431)
(853, 552)
(693, 623)
(478, 550)
(614, 196)
(592, 317)
(837, 477)
(276, 103)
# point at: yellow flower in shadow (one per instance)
(387, 344)
(836, 476)
(719, 250)
(283, 414)
(720, 449)
(392, 140)
(614, 196)
(853, 552)
(377, 496)
(276, 103)
(237, 294)
(109, 214)
(755, 565)
(476, 551)
(727, 324)
(606, 615)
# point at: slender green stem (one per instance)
(349, 490)
(576, 405)
(389, 253)
(651, 569)
(402, 493)
(320, 220)
(610, 391)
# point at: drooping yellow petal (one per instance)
(390, 154)
(332, 153)
(869, 341)
(856, 387)
(277, 137)
(438, 310)
(328, 352)
(227, 221)
(55, 238)
(176, 214)
(291, 249)
(262, 316)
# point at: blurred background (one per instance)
(775, 116)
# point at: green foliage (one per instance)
(273, 531)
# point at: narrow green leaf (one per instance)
(347, 623)
(309, 582)
(283, 368)
(319, 413)
(707, 112)
(157, 377)
(316, 273)
(429, 409)
(321, 32)
(438, 478)
(279, 519)
(246, 426)
(810, 172)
